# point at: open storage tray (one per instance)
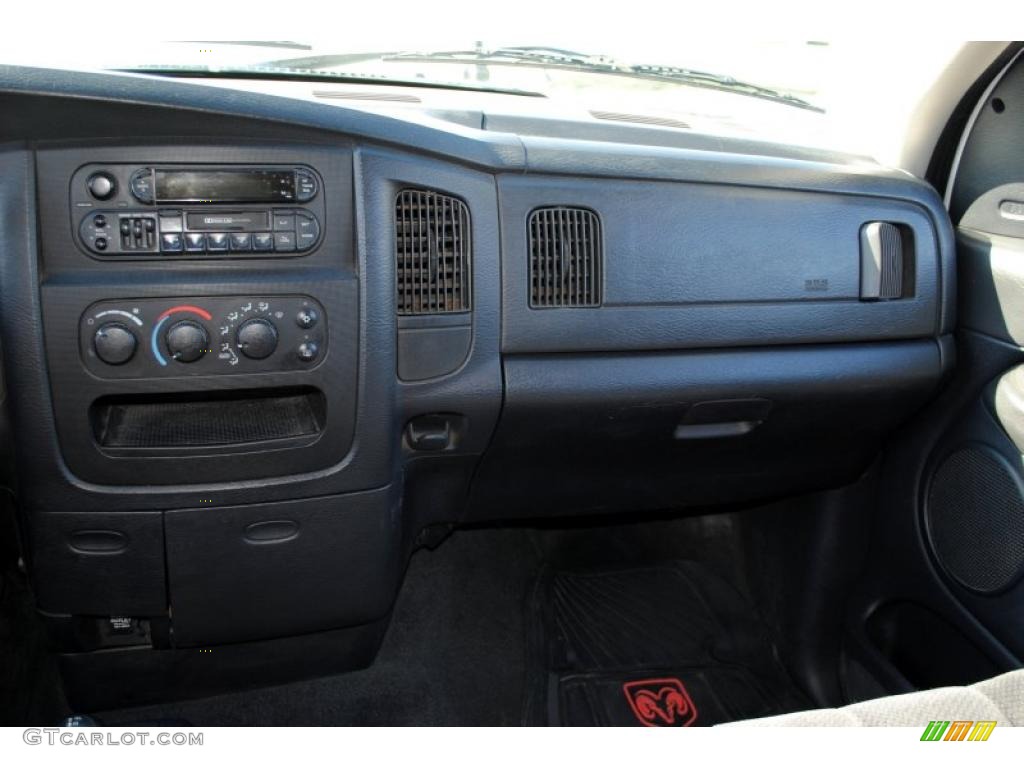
(200, 419)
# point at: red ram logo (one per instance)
(662, 702)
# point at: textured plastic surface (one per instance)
(705, 265)
(593, 433)
(339, 566)
(100, 564)
(992, 284)
(991, 156)
(127, 677)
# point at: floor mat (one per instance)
(667, 645)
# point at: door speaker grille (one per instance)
(975, 516)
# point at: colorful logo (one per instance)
(663, 702)
(958, 730)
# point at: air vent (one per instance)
(432, 252)
(565, 258)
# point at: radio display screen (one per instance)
(224, 186)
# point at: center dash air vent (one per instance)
(432, 253)
(565, 258)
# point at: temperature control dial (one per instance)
(187, 341)
(257, 338)
(114, 343)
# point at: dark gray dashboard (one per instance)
(727, 352)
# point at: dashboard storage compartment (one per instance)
(207, 419)
(584, 434)
(99, 564)
(274, 570)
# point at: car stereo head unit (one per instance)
(142, 210)
(223, 185)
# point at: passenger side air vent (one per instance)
(432, 253)
(565, 258)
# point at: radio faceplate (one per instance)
(124, 211)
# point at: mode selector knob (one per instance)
(187, 341)
(114, 343)
(257, 338)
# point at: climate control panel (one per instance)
(139, 338)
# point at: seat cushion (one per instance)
(1000, 699)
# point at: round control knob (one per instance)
(114, 343)
(187, 341)
(101, 185)
(257, 338)
(307, 317)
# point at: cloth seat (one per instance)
(1000, 699)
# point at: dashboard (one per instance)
(258, 351)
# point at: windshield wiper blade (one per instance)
(558, 58)
(267, 72)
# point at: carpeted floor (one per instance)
(497, 623)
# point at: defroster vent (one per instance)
(432, 252)
(565, 258)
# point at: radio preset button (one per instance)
(195, 241)
(240, 241)
(170, 242)
(305, 186)
(284, 222)
(217, 241)
(284, 241)
(263, 241)
(306, 231)
(170, 221)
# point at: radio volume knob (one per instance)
(257, 338)
(101, 185)
(114, 343)
(187, 341)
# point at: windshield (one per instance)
(806, 92)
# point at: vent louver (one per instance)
(565, 258)
(432, 253)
